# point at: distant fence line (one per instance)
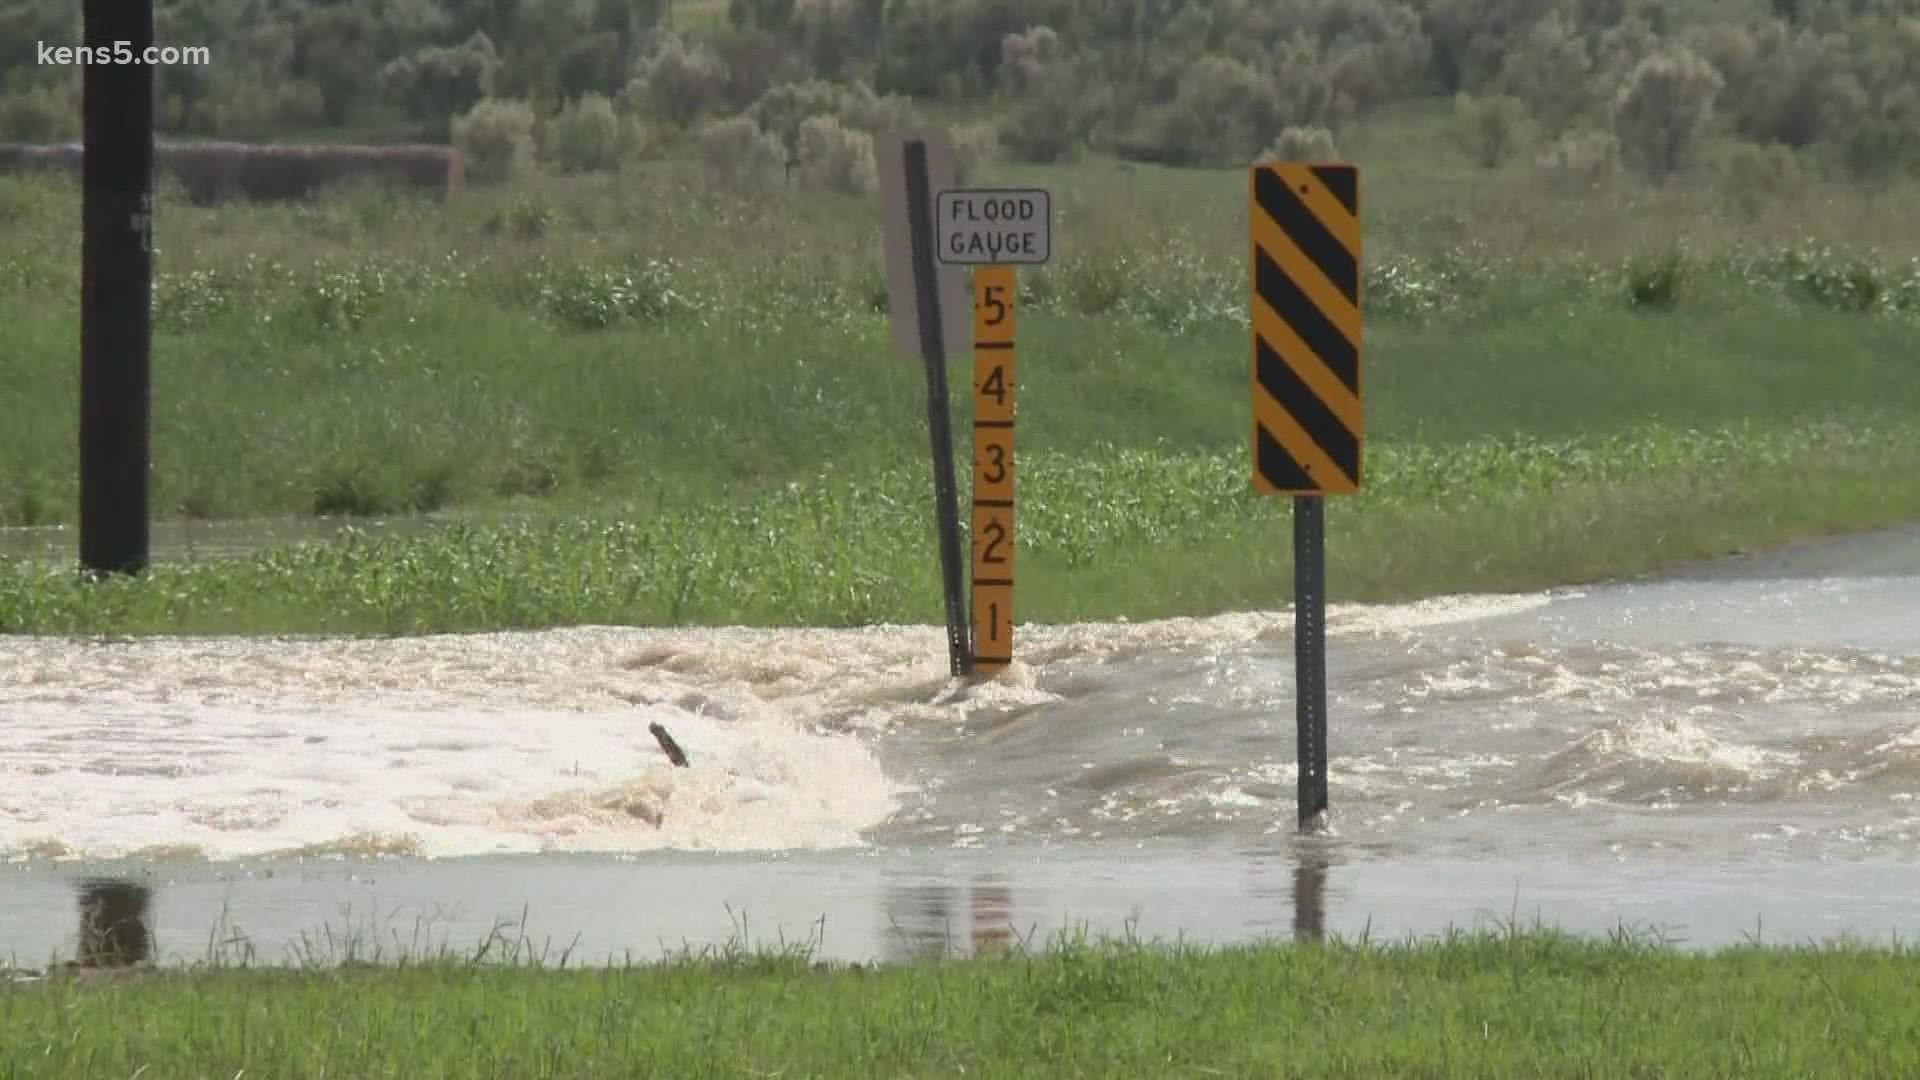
(211, 172)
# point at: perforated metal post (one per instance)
(1310, 654)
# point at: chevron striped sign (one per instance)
(1305, 226)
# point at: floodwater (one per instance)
(1726, 752)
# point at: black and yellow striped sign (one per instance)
(1305, 226)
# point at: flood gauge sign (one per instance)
(994, 226)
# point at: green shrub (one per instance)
(1661, 113)
(783, 108)
(1221, 111)
(496, 139)
(1040, 81)
(39, 115)
(1653, 282)
(340, 298)
(876, 114)
(833, 158)
(1409, 287)
(250, 106)
(1551, 70)
(1376, 51)
(1579, 161)
(1302, 144)
(588, 136)
(1848, 282)
(680, 82)
(586, 298)
(975, 146)
(1490, 129)
(737, 154)
(1756, 177)
(437, 84)
(525, 218)
(189, 300)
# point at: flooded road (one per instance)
(1731, 749)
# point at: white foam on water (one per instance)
(1431, 613)
(464, 744)
(435, 746)
(461, 744)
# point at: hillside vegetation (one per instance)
(1771, 93)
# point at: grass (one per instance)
(1494, 1003)
(1098, 535)
(686, 401)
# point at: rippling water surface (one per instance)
(1747, 717)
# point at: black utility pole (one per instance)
(116, 281)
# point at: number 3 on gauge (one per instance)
(996, 471)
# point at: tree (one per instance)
(1663, 109)
(1042, 82)
(436, 84)
(1551, 70)
(680, 82)
(1224, 111)
(186, 88)
(335, 48)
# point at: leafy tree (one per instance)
(1663, 109)
(1551, 70)
(587, 136)
(1471, 38)
(186, 89)
(1223, 111)
(679, 82)
(436, 84)
(496, 139)
(776, 15)
(335, 49)
(1040, 81)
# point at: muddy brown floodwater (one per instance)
(1729, 751)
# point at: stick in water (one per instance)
(674, 753)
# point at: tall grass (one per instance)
(376, 385)
(1120, 532)
(1515, 1002)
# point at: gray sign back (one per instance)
(903, 305)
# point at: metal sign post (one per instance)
(1304, 224)
(926, 304)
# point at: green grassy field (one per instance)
(1491, 1004)
(686, 400)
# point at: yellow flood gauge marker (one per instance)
(993, 291)
(1304, 225)
(992, 229)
